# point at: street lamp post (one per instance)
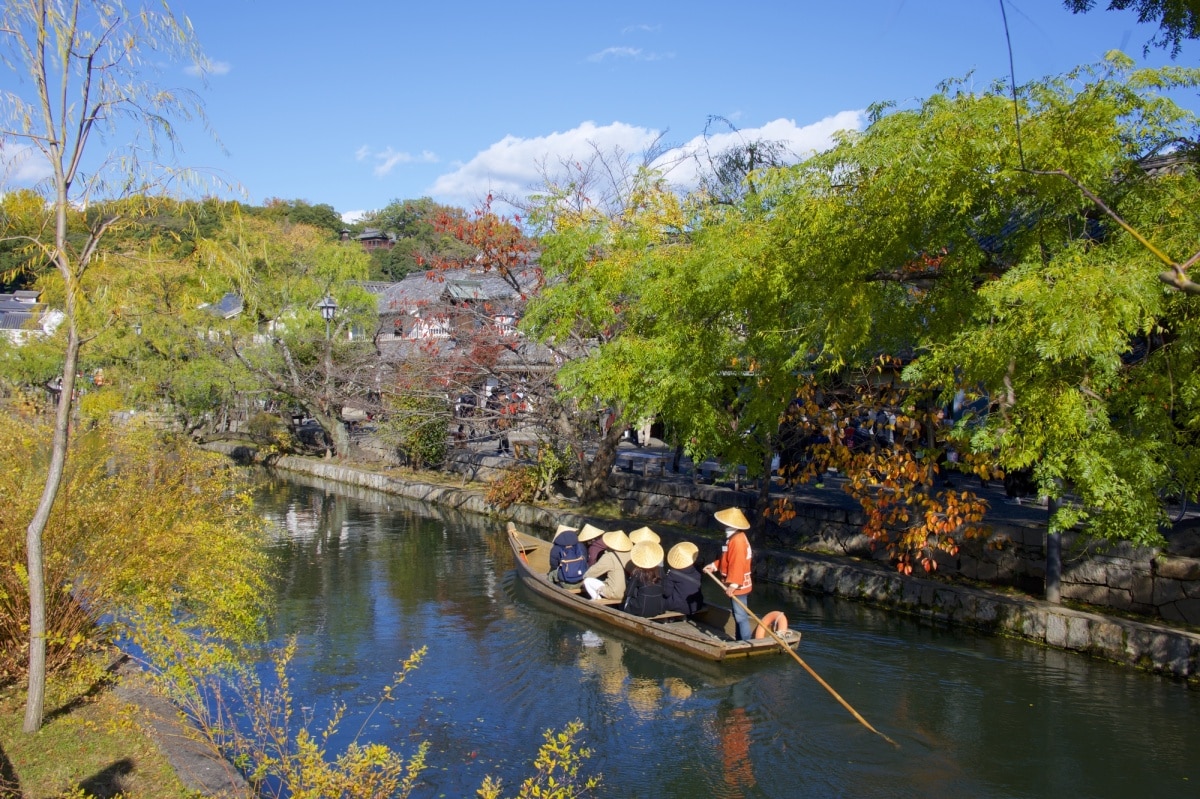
(328, 307)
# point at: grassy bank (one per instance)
(91, 744)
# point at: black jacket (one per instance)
(643, 598)
(682, 590)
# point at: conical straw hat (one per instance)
(647, 555)
(733, 517)
(617, 541)
(589, 532)
(644, 534)
(682, 555)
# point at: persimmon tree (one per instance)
(82, 72)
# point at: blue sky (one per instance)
(359, 103)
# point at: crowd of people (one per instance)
(634, 570)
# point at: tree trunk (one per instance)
(335, 430)
(763, 502)
(594, 483)
(1053, 556)
(35, 697)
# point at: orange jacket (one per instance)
(734, 563)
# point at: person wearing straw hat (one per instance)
(606, 578)
(644, 589)
(644, 534)
(590, 537)
(733, 567)
(568, 557)
(681, 586)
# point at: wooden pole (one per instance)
(807, 667)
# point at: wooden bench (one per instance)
(670, 615)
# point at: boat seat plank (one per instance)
(670, 615)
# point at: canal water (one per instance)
(367, 578)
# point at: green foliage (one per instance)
(557, 770)
(936, 234)
(419, 244)
(322, 216)
(518, 483)
(99, 405)
(271, 435)
(418, 426)
(22, 213)
(184, 547)
(1177, 19)
(257, 726)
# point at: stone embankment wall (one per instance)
(1141, 580)
(1155, 647)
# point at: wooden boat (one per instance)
(708, 634)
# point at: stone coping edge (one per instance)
(1152, 647)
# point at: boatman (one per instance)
(733, 567)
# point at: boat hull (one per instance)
(707, 635)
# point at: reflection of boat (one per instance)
(708, 634)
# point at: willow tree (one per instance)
(901, 240)
(1087, 354)
(916, 237)
(281, 273)
(81, 72)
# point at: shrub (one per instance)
(185, 544)
(515, 484)
(418, 426)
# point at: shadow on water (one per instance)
(366, 578)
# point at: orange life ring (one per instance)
(775, 620)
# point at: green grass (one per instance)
(91, 744)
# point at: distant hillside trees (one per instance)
(419, 242)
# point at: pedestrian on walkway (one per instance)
(733, 567)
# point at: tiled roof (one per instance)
(419, 289)
(19, 320)
(227, 307)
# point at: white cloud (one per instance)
(512, 166)
(387, 158)
(209, 68)
(632, 53)
(23, 165)
(643, 28)
(350, 217)
(682, 168)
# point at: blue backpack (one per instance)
(573, 563)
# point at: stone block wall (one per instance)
(1118, 576)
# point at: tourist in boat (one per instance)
(681, 587)
(733, 567)
(644, 589)
(568, 557)
(606, 578)
(644, 534)
(590, 536)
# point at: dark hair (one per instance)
(651, 576)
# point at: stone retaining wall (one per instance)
(1157, 648)
(1120, 576)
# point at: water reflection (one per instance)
(366, 578)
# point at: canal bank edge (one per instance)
(1153, 647)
